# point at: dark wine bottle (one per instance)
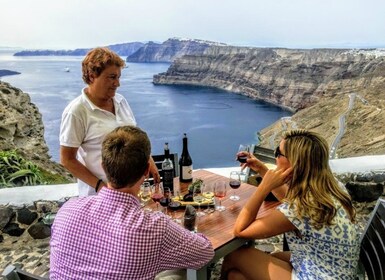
(168, 170)
(185, 163)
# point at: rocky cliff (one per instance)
(124, 49)
(21, 128)
(315, 83)
(169, 50)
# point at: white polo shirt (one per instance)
(85, 125)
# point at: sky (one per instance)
(70, 24)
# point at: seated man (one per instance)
(109, 236)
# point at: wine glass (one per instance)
(166, 199)
(235, 183)
(157, 194)
(208, 193)
(174, 205)
(198, 198)
(242, 148)
(220, 192)
(145, 194)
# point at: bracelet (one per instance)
(98, 185)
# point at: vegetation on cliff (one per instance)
(16, 171)
(22, 140)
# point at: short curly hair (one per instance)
(97, 60)
(125, 154)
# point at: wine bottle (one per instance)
(185, 163)
(168, 170)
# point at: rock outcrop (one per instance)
(4, 72)
(315, 83)
(169, 50)
(22, 129)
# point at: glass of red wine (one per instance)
(242, 153)
(220, 192)
(174, 206)
(235, 183)
(157, 194)
(166, 199)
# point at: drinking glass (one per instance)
(208, 193)
(198, 198)
(145, 194)
(166, 199)
(157, 194)
(174, 206)
(243, 148)
(220, 192)
(235, 183)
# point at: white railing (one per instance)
(27, 195)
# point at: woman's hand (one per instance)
(253, 163)
(275, 178)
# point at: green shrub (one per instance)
(15, 171)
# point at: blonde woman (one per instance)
(316, 214)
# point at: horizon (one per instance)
(347, 46)
(300, 24)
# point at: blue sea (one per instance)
(215, 121)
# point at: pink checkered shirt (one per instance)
(109, 236)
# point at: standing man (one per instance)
(91, 116)
(109, 236)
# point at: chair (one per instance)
(12, 272)
(372, 254)
(264, 154)
(158, 159)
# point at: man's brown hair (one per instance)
(125, 154)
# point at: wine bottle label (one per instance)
(187, 172)
(168, 179)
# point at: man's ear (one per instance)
(92, 78)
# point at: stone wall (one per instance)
(364, 187)
(34, 220)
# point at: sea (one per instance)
(216, 121)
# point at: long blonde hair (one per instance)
(313, 187)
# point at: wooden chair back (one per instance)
(158, 159)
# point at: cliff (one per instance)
(21, 128)
(315, 83)
(124, 49)
(169, 50)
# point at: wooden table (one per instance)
(218, 226)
